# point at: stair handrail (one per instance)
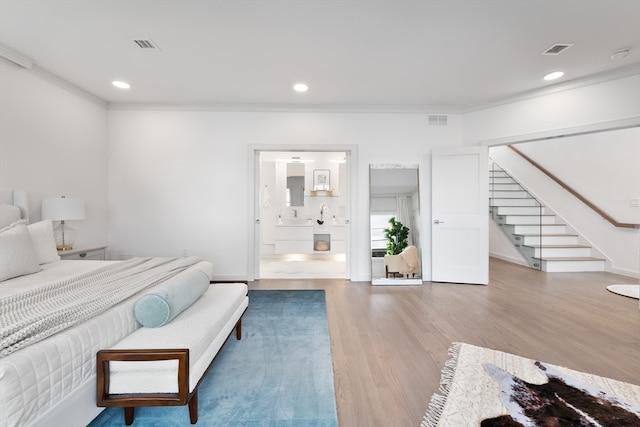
(580, 197)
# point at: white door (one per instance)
(460, 215)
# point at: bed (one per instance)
(55, 377)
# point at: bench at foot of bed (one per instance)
(137, 373)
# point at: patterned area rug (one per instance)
(483, 387)
(279, 374)
(632, 291)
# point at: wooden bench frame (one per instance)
(130, 401)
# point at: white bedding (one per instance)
(36, 378)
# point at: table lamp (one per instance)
(63, 209)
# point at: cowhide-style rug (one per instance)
(483, 387)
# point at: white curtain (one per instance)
(403, 211)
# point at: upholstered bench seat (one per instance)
(199, 332)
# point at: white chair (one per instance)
(407, 263)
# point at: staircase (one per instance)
(539, 235)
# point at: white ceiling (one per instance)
(397, 54)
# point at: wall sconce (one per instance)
(63, 209)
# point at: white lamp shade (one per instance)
(62, 209)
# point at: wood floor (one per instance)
(390, 343)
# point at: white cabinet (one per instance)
(294, 239)
(338, 245)
(301, 239)
(93, 253)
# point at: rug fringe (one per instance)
(439, 399)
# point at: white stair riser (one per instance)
(527, 219)
(505, 186)
(520, 210)
(513, 202)
(550, 240)
(517, 194)
(572, 266)
(544, 229)
(501, 180)
(495, 173)
(519, 215)
(559, 252)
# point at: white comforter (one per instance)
(31, 316)
(36, 378)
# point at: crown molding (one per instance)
(16, 57)
(65, 84)
(286, 108)
(591, 128)
(29, 64)
(618, 73)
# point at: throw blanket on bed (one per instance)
(31, 316)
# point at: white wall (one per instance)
(53, 143)
(621, 246)
(179, 180)
(587, 106)
(603, 167)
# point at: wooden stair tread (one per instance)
(546, 234)
(580, 258)
(540, 225)
(517, 206)
(548, 214)
(557, 246)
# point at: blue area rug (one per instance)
(279, 374)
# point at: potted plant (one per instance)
(396, 236)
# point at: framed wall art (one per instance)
(321, 179)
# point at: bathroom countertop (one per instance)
(308, 225)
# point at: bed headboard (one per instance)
(16, 198)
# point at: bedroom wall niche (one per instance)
(394, 193)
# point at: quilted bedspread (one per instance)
(31, 316)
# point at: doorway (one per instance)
(301, 208)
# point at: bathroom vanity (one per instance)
(309, 239)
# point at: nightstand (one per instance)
(89, 252)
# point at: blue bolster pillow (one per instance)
(170, 298)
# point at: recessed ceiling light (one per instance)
(300, 87)
(554, 75)
(121, 85)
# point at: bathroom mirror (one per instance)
(394, 193)
(295, 184)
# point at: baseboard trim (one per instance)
(509, 259)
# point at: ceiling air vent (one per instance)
(437, 120)
(146, 44)
(557, 49)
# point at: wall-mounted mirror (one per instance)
(295, 184)
(395, 225)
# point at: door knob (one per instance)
(437, 221)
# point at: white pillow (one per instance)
(9, 214)
(43, 241)
(17, 253)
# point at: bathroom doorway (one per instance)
(302, 214)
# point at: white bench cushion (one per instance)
(202, 328)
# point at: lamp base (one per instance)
(64, 236)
